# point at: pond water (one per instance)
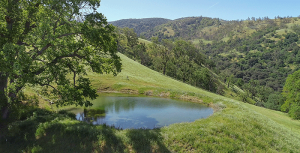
(141, 112)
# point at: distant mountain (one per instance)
(187, 28)
(140, 25)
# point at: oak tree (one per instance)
(51, 44)
(291, 91)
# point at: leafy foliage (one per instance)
(274, 101)
(291, 92)
(44, 44)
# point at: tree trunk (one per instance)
(3, 98)
(165, 66)
(164, 70)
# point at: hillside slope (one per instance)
(234, 127)
(238, 127)
(257, 53)
(140, 25)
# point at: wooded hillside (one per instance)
(140, 25)
(256, 54)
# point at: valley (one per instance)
(70, 81)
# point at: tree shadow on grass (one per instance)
(46, 131)
(50, 132)
(144, 140)
(81, 137)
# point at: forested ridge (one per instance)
(186, 28)
(256, 54)
(140, 25)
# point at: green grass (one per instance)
(279, 117)
(275, 39)
(169, 32)
(284, 31)
(225, 39)
(234, 127)
(196, 41)
(144, 41)
(292, 66)
(138, 77)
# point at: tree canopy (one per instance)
(51, 44)
(291, 91)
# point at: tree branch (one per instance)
(61, 57)
(48, 86)
(42, 69)
(22, 43)
(74, 78)
(55, 25)
(41, 60)
(74, 72)
(41, 51)
(67, 34)
(70, 18)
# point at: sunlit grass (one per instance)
(144, 41)
(279, 117)
(236, 127)
(283, 31)
(249, 126)
(169, 32)
(196, 41)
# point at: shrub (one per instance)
(295, 111)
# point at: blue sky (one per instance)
(223, 9)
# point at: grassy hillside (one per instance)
(259, 53)
(141, 79)
(265, 50)
(138, 79)
(234, 127)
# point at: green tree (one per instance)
(140, 52)
(162, 52)
(291, 91)
(229, 80)
(51, 44)
(244, 96)
(252, 87)
(263, 93)
(274, 101)
(205, 80)
(132, 38)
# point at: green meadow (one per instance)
(234, 127)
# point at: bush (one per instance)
(24, 109)
(295, 111)
(274, 101)
(68, 114)
(292, 95)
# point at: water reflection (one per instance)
(93, 115)
(141, 112)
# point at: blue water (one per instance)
(143, 112)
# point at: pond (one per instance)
(141, 112)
